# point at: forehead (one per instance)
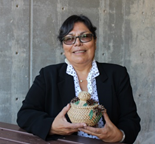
(79, 28)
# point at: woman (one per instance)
(44, 109)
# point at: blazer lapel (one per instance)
(66, 86)
(104, 90)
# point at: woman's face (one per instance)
(80, 53)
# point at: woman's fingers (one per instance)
(109, 133)
(64, 110)
(61, 126)
(87, 131)
(106, 118)
(75, 125)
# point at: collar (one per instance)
(94, 72)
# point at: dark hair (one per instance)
(68, 25)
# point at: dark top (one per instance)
(53, 89)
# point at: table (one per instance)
(12, 134)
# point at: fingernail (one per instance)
(84, 125)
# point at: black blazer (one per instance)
(53, 89)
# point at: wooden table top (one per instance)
(12, 134)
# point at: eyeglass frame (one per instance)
(79, 39)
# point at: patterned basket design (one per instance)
(81, 112)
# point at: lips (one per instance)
(79, 51)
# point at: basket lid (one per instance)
(84, 101)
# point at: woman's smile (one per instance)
(79, 51)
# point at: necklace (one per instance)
(81, 81)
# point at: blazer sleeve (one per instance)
(129, 121)
(32, 115)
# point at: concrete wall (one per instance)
(126, 36)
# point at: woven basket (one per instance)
(81, 112)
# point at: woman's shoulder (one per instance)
(54, 68)
(111, 68)
(110, 65)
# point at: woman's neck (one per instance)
(82, 70)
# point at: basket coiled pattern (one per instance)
(82, 112)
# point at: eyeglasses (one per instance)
(84, 38)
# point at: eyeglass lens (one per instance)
(69, 40)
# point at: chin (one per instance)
(79, 62)
(82, 61)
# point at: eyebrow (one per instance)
(80, 33)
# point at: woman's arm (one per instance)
(129, 121)
(39, 115)
(122, 109)
(32, 115)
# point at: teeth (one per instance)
(80, 51)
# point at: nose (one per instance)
(77, 41)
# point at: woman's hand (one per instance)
(109, 133)
(61, 126)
